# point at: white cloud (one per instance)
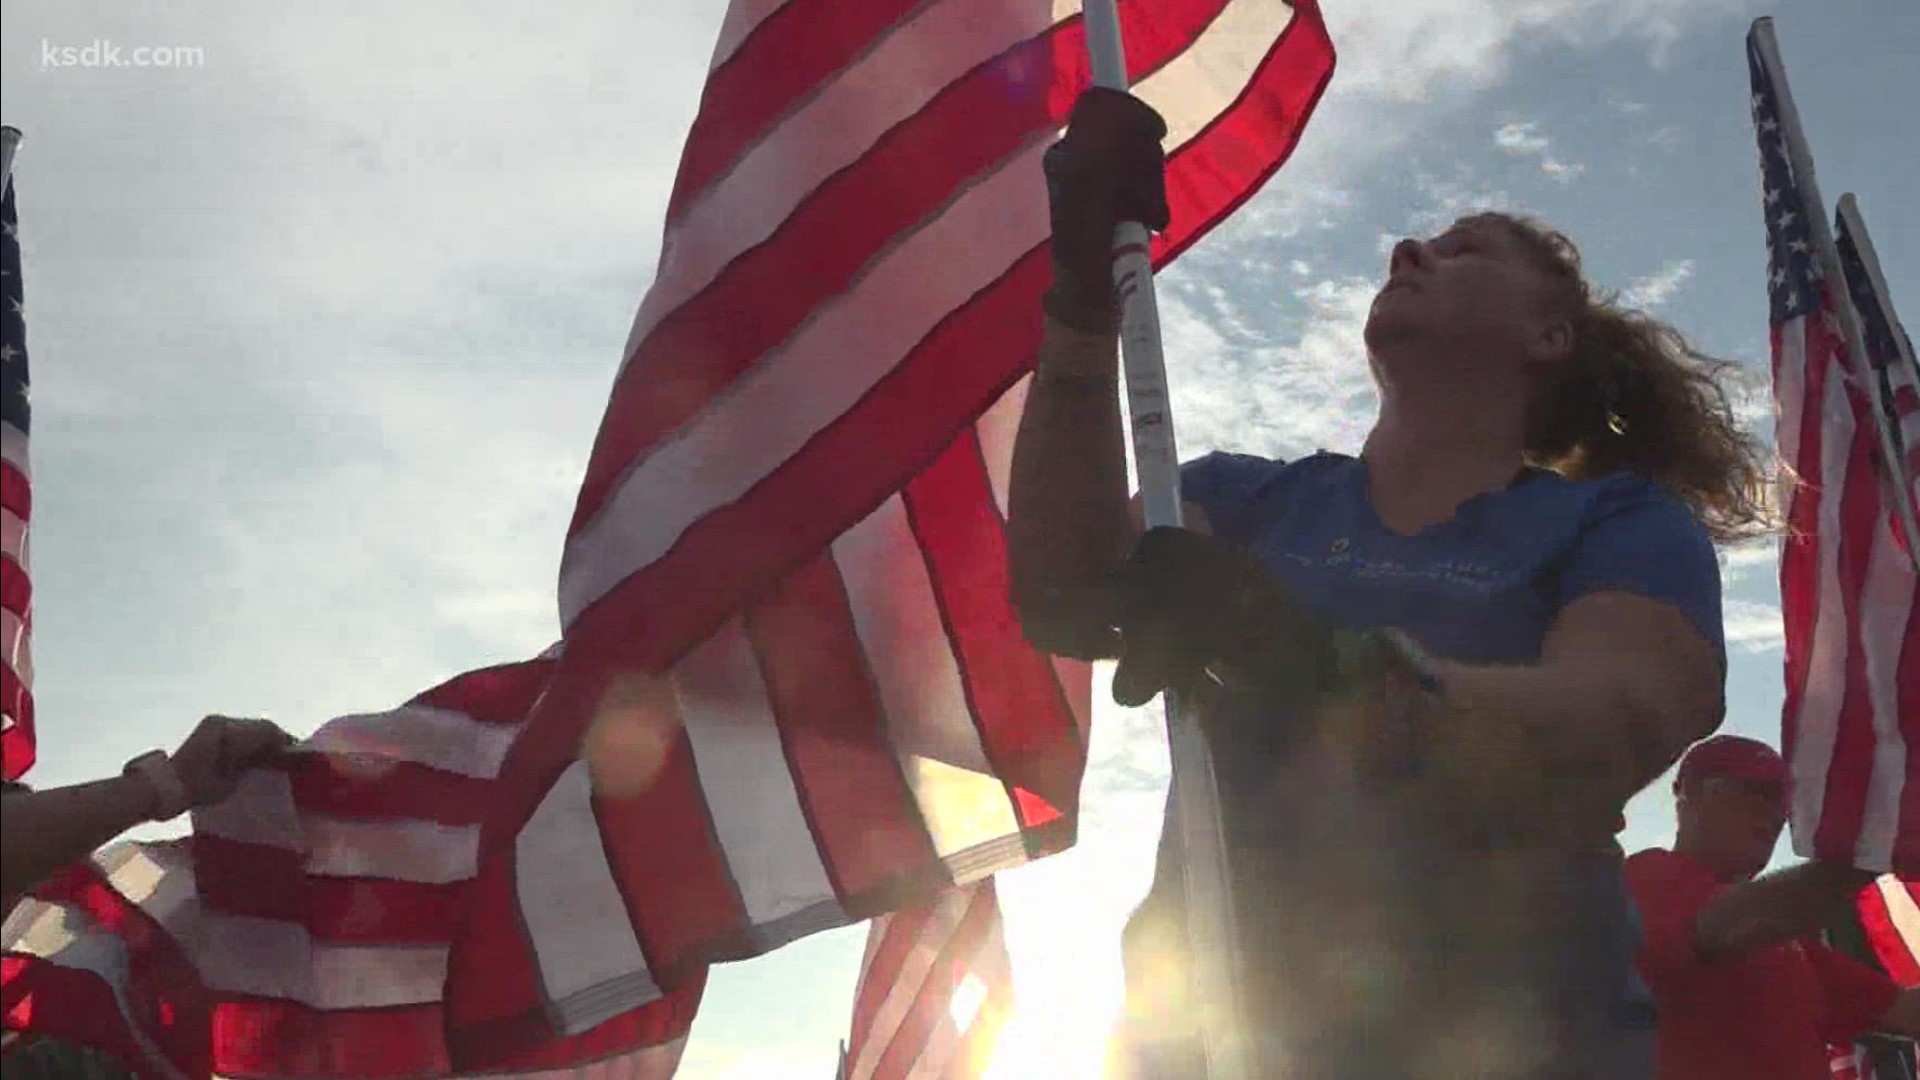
(1444, 200)
(1753, 626)
(1744, 561)
(1666, 136)
(1658, 289)
(1523, 139)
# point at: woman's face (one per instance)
(1474, 295)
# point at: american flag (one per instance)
(16, 506)
(1848, 588)
(936, 986)
(303, 929)
(794, 694)
(1889, 922)
(1889, 911)
(1889, 349)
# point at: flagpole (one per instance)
(1860, 368)
(1195, 795)
(9, 142)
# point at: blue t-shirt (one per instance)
(1537, 942)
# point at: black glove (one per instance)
(1195, 610)
(1189, 603)
(1108, 168)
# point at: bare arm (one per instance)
(1067, 527)
(42, 831)
(1781, 906)
(1070, 524)
(1624, 684)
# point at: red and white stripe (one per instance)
(1889, 912)
(304, 928)
(936, 986)
(1850, 598)
(794, 693)
(1889, 348)
(16, 512)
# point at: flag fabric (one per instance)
(16, 507)
(936, 986)
(1889, 350)
(303, 928)
(1878, 1059)
(1889, 912)
(1852, 1062)
(1848, 589)
(1882, 930)
(794, 694)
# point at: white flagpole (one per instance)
(1859, 368)
(9, 142)
(1196, 799)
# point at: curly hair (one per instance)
(1634, 395)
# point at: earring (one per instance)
(1616, 423)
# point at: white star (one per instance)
(1798, 247)
(1793, 301)
(1778, 278)
(1773, 196)
(8, 352)
(1759, 100)
(1769, 125)
(18, 307)
(1786, 219)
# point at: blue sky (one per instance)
(322, 325)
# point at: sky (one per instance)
(324, 302)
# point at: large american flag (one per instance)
(936, 985)
(16, 507)
(1847, 583)
(794, 694)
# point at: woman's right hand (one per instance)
(1108, 168)
(220, 751)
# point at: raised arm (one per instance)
(1069, 526)
(1793, 902)
(42, 831)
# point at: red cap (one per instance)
(1731, 756)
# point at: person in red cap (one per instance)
(1743, 990)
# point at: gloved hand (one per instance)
(1195, 608)
(1108, 168)
(1189, 603)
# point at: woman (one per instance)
(1424, 873)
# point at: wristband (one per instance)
(170, 795)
